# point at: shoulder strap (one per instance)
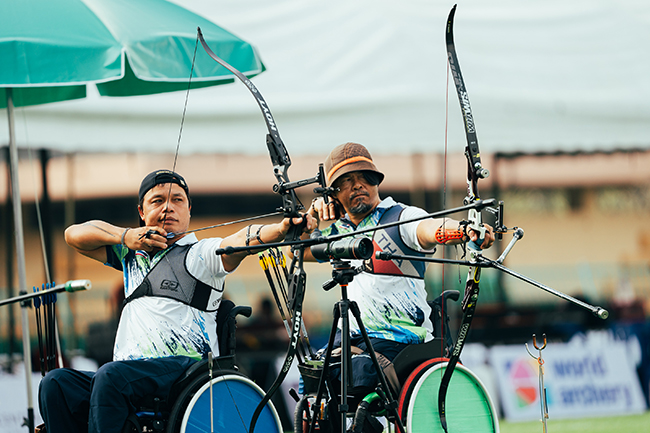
(390, 240)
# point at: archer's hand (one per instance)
(489, 236)
(308, 222)
(150, 238)
(322, 211)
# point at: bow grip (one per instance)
(474, 217)
(295, 230)
(476, 246)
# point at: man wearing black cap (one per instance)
(173, 287)
(390, 294)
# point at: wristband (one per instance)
(248, 239)
(124, 236)
(257, 235)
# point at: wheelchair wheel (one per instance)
(234, 399)
(469, 406)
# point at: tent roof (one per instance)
(541, 76)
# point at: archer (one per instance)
(390, 294)
(173, 288)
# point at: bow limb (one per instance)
(278, 152)
(290, 208)
(475, 171)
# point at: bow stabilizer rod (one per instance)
(484, 262)
(479, 205)
(70, 286)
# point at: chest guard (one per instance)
(173, 280)
(389, 240)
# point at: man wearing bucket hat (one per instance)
(173, 288)
(390, 294)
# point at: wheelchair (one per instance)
(419, 370)
(188, 408)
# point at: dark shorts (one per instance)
(73, 401)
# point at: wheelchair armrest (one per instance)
(454, 295)
(441, 300)
(227, 338)
(240, 310)
(438, 310)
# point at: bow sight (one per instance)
(499, 227)
(323, 190)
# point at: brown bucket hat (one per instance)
(349, 157)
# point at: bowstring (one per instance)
(180, 130)
(187, 97)
(169, 194)
(444, 206)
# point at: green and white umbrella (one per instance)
(50, 50)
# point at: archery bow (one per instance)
(290, 208)
(475, 171)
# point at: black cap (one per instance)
(159, 177)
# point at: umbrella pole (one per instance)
(20, 255)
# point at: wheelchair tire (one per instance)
(300, 418)
(469, 406)
(235, 398)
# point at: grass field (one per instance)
(622, 424)
(616, 424)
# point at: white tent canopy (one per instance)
(542, 75)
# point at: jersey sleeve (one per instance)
(114, 256)
(408, 231)
(204, 264)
